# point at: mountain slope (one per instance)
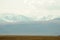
(14, 18)
(10, 18)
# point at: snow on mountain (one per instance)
(14, 18)
(45, 18)
(56, 20)
(21, 18)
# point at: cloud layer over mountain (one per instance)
(31, 8)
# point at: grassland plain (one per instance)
(9, 37)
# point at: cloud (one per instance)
(30, 8)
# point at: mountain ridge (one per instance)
(11, 18)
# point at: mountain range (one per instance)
(42, 27)
(21, 18)
(14, 18)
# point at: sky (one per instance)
(30, 8)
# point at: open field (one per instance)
(29, 37)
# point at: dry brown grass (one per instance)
(29, 38)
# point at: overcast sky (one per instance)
(31, 8)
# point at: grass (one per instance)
(29, 37)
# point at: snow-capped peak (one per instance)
(21, 18)
(13, 18)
